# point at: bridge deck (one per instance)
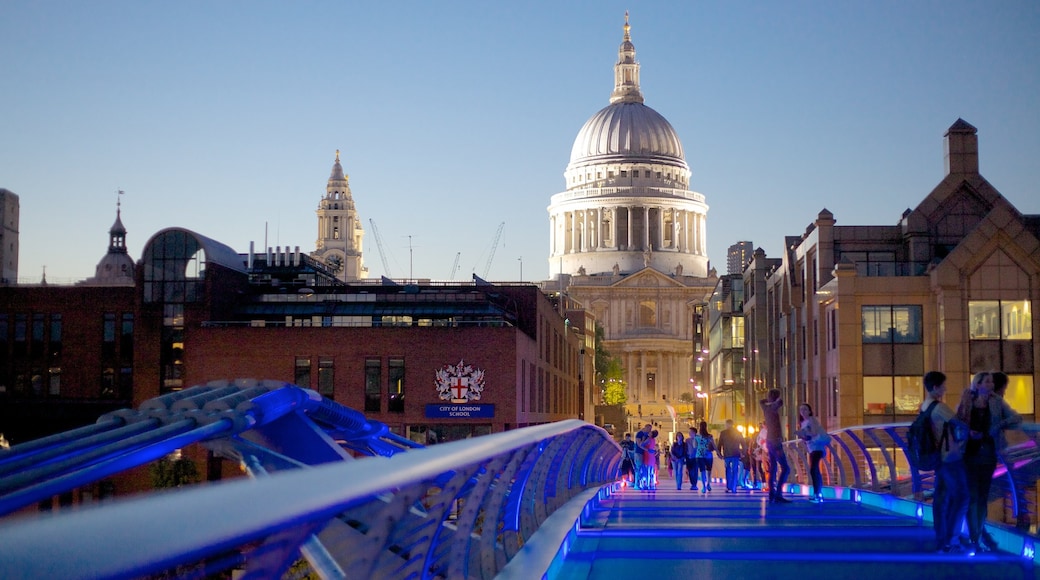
(688, 534)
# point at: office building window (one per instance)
(36, 346)
(108, 335)
(1001, 336)
(892, 324)
(1000, 320)
(1019, 393)
(21, 328)
(126, 337)
(326, 372)
(54, 381)
(899, 395)
(55, 338)
(302, 372)
(126, 382)
(108, 383)
(373, 384)
(395, 385)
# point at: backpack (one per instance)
(923, 450)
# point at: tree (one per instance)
(614, 392)
(174, 471)
(610, 374)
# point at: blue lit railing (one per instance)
(458, 510)
(284, 424)
(873, 458)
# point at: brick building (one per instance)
(849, 318)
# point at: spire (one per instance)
(337, 170)
(626, 71)
(117, 233)
(339, 183)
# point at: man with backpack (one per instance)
(950, 501)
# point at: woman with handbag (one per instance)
(817, 440)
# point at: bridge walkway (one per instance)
(688, 534)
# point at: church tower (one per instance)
(339, 229)
(116, 267)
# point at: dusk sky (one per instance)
(224, 117)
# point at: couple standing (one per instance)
(971, 439)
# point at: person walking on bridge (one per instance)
(775, 446)
(678, 459)
(731, 448)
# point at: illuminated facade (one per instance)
(849, 318)
(627, 241)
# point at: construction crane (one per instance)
(379, 246)
(494, 246)
(455, 266)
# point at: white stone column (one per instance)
(659, 382)
(628, 227)
(676, 229)
(642, 376)
(704, 235)
(614, 228)
(572, 234)
(646, 227)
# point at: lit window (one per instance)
(395, 385)
(888, 324)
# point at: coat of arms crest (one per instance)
(459, 383)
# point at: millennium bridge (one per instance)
(331, 494)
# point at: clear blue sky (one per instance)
(453, 117)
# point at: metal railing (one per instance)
(874, 458)
(457, 510)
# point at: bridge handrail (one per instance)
(874, 457)
(459, 509)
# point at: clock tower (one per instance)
(339, 229)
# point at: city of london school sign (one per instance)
(459, 386)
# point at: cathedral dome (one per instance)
(627, 205)
(630, 132)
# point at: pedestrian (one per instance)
(950, 500)
(638, 453)
(775, 446)
(678, 459)
(1000, 385)
(692, 467)
(760, 458)
(731, 448)
(705, 452)
(651, 460)
(987, 416)
(817, 440)
(628, 465)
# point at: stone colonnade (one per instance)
(631, 228)
(671, 375)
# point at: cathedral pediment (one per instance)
(647, 278)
